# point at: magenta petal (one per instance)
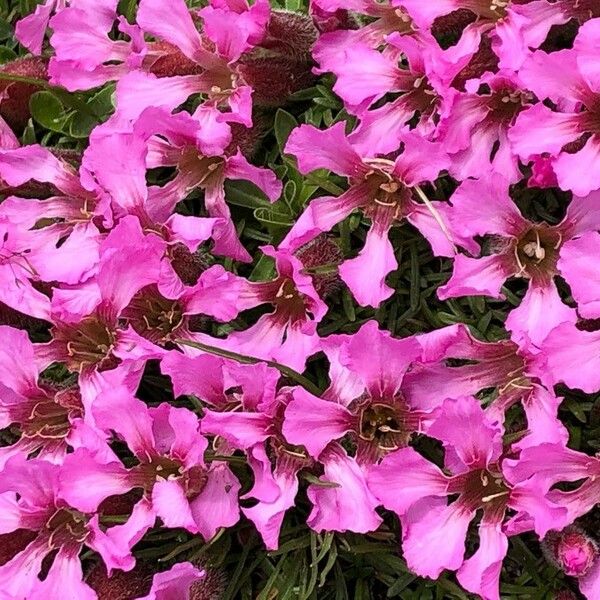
(172, 23)
(20, 574)
(30, 30)
(571, 356)
(462, 424)
(480, 574)
(589, 584)
(85, 483)
(171, 505)
(483, 206)
(322, 214)
(433, 537)
(365, 275)
(175, 583)
(65, 579)
(217, 504)
(403, 478)
(581, 273)
(348, 507)
(119, 411)
(239, 168)
(240, 429)
(313, 423)
(477, 277)
(334, 151)
(540, 311)
(268, 516)
(580, 172)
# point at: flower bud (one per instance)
(15, 95)
(13, 543)
(122, 585)
(210, 587)
(571, 550)
(282, 63)
(320, 258)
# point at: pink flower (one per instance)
(289, 333)
(364, 76)
(74, 213)
(570, 135)
(474, 129)
(250, 421)
(510, 371)
(229, 33)
(179, 487)
(42, 507)
(518, 248)
(434, 529)
(49, 416)
(84, 55)
(364, 398)
(383, 189)
(196, 146)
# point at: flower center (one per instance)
(381, 424)
(536, 252)
(48, 420)
(89, 343)
(152, 315)
(289, 302)
(582, 10)
(506, 103)
(67, 526)
(388, 195)
(202, 170)
(192, 480)
(481, 489)
(492, 10)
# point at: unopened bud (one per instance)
(320, 258)
(166, 60)
(14, 104)
(282, 64)
(571, 550)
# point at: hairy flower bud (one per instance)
(282, 64)
(15, 95)
(571, 550)
(320, 258)
(120, 585)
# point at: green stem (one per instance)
(22, 79)
(306, 383)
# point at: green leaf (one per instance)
(284, 123)
(6, 54)
(47, 110)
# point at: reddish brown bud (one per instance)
(248, 139)
(282, 64)
(121, 585)
(14, 106)
(166, 60)
(210, 587)
(448, 29)
(13, 543)
(485, 59)
(320, 258)
(571, 550)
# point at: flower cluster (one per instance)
(122, 263)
